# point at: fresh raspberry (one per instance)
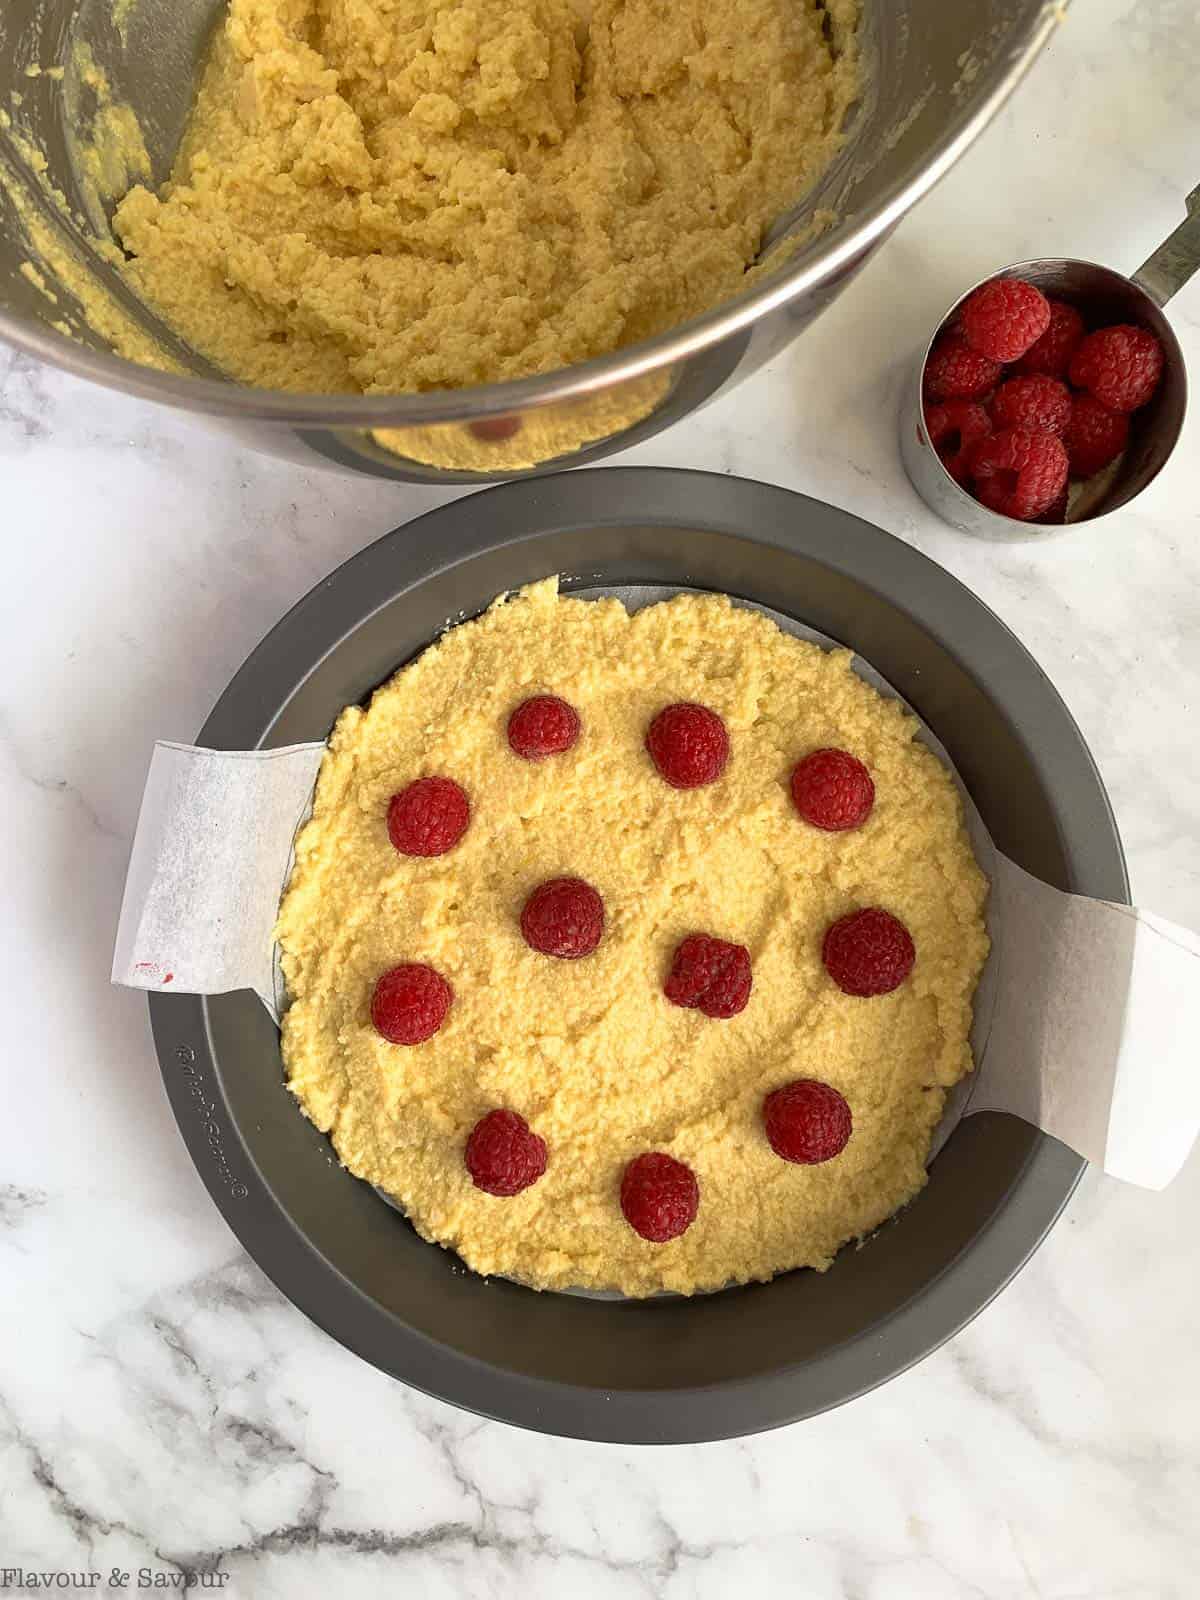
(1094, 435)
(833, 790)
(1051, 354)
(1121, 366)
(868, 952)
(1020, 473)
(1002, 319)
(543, 726)
(492, 430)
(503, 1154)
(410, 1003)
(710, 975)
(1032, 401)
(1057, 513)
(956, 372)
(688, 744)
(428, 818)
(659, 1196)
(955, 427)
(807, 1122)
(563, 917)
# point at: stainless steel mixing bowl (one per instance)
(935, 75)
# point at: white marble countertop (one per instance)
(162, 1407)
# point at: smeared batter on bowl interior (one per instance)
(590, 1052)
(418, 194)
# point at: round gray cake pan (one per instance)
(666, 1370)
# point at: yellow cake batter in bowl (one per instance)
(349, 231)
(429, 194)
(590, 1052)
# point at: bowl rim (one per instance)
(828, 257)
(511, 515)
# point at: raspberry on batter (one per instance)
(807, 1121)
(492, 430)
(429, 817)
(659, 1196)
(542, 726)
(563, 917)
(504, 1155)
(710, 975)
(832, 790)
(868, 952)
(410, 1003)
(688, 744)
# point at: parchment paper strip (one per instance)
(1093, 1035)
(210, 859)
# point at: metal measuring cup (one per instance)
(1103, 297)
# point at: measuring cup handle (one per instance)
(1172, 264)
